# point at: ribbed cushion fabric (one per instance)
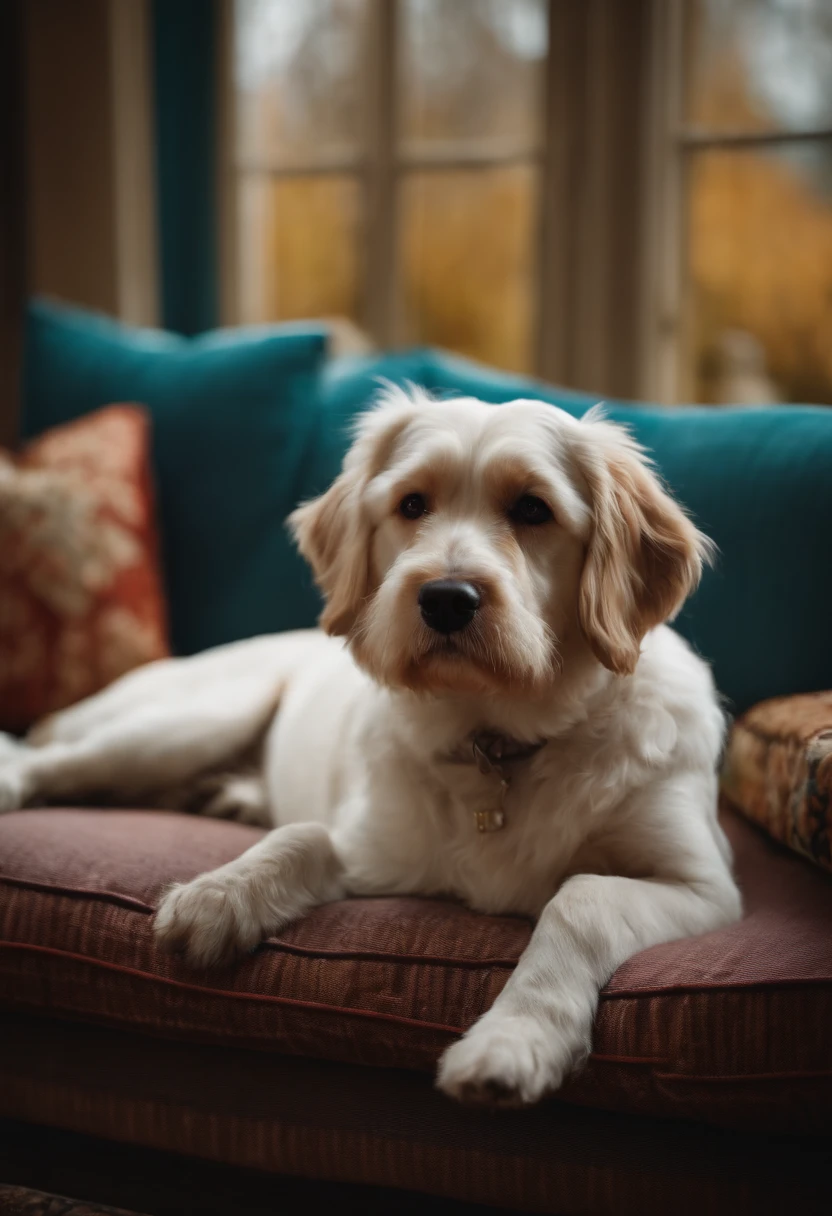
(729, 1027)
(387, 1127)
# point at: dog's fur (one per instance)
(611, 841)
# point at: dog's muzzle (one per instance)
(448, 604)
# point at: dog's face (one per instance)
(469, 548)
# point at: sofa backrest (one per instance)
(248, 423)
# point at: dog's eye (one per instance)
(412, 506)
(530, 510)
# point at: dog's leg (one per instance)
(157, 726)
(152, 746)
(132, 759)
(539, 1028)
(10, 748)
(227, 911)
(151, 683)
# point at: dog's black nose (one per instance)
(448, 604)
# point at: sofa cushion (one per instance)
(447, 375)
(778, 772)
(80, 586)
(234, 425)
(731, 1027)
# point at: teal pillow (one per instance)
(758, 481)
(348, 385)
(451, 375)
(235, 430)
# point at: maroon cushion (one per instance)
(731, 1027)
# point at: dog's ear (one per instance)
(330, 534)
(334, 532)
(644, 556)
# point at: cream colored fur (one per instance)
(611, 841)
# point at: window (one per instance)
(463, 173)
(747, 308)
(388, 167)
(631, 198)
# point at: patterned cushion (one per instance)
(778, 771)
(80, 595)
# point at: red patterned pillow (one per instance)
(80, 592)
(778, 771)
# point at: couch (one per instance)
(710, 1083)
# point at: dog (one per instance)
(493, 710)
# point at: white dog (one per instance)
(510, 722)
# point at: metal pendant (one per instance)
(494, 818)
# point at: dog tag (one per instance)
(494, 818)
(490, 821)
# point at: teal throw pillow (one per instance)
(235, 438)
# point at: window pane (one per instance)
(299, 73)
(472, 73)
(298, 247)
(467, 261)
(760, 64)
(760, 270)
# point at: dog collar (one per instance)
(492, 752)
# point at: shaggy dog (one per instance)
(509, 721)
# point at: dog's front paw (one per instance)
(210, 921)
(506, 1060)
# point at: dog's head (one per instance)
(471, 548)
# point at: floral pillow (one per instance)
(778, 771)
(81, 600)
